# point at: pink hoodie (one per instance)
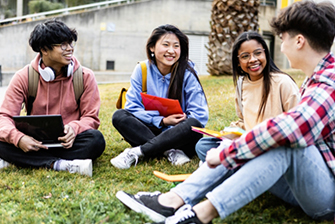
(54, 97)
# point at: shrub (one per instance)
(37, 6)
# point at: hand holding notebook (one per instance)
(164, 106)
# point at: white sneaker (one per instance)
(81, 166)
(3, 163)
(176, 157)
(125, 159)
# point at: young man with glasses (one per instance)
(291, 155)
(55, 63)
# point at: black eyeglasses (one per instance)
(245, 57)
(64, 45)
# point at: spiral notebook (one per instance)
(44, 128)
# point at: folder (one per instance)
(228, 132)
(171, 178)
(164, 106)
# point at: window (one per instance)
(110, 65)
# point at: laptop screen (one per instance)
(44, 128)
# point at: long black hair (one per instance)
(269, 68)
(179, 68)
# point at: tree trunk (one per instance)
(229, 19)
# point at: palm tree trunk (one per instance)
(229, 19)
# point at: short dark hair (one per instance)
(313, 20)
(50, 32)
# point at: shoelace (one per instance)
(172, 156)
(185, 212)
(129, 156)
(150, 194)
(72, 168)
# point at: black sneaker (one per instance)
(146, 203)
(184, 215)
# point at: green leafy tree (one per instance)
(37, 6)
(72, 3)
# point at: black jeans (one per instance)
(153, 141)
(89, 144)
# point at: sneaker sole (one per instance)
(87, 170)
(138, 207)
(182, 162)
(118, 165)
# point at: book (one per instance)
(172, 178)
(228, 132)
(164, 106)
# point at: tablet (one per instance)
(44, 128)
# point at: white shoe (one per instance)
(125, 159)
(176, 157)
(3, 164)
(81, 166)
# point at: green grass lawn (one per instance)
(47, 196)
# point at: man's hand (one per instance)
(68, 139)
(28, 144)
(213, 157)
(174, 119)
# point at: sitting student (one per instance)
(170, 74)
(258, 81)
(291, 155)
(55, 63)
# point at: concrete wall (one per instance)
(115, 33)
(119, 33)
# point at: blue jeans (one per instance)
(298, 176)
(204, 145)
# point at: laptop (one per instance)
(44, 128)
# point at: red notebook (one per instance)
(165, 106)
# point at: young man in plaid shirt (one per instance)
(291, 155)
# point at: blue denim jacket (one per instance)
(194, 103)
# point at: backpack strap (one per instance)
(239, 93)
(33, 79)
(78, 83)
(144, 76)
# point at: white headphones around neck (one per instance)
(48, 74)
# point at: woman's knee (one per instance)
(118, 116)
(204, 145)
(199, 149)
(193, 122)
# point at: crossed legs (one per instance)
(298, 176)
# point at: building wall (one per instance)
(119, 34)
(114, 33)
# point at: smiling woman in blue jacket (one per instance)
(170, 74)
